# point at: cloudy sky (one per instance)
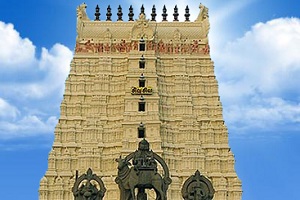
(255, 45)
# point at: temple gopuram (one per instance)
(141, 103)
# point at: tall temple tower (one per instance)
(141, 79)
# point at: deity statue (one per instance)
(197, 187)
(143, 175)
(88, 187)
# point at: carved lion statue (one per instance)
(203, 12)
(81, 12)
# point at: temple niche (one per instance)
(141, 78)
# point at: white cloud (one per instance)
(7, 110)
(50, 70)
(37, 81)
(259, 76)
(14, 50)
(30, 125)
(55, 63)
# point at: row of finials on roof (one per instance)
(153, 13)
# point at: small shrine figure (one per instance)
(197, 187)
(86, 187)
(161, 46)
(206, 49)
(195, 46)
(143, 158)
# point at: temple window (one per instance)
(141, 131)
(142, 83)
(142, 62)
(142, 45)
(142, 106)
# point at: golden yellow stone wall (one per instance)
(99, 114)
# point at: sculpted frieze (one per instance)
(161, 47)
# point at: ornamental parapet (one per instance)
(121, 37)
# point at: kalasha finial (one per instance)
(176, 13)
(97, 13)
(153, 14)
(164, 14)
(108, 14)
(130, 14)
(142, 10)
(120, 14)
(187, 14)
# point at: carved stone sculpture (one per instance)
(88, 187)
(197, 187)
(143, 175)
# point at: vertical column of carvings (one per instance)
(77, 88)
(67, 93)
(233, 182)
(166, 92)
(220, 187)
(68, 131)
(212, 91)
(48, 182)
(98, 107)
(88, 152)
(153, 102)
(218, 130)
(43, 190)
(182, 89)
(234, 188)
(73, 159)
(164, 109)
(52, 169)
(214, 162)
(88, 68)
(191, 133)
(58, 134)
(71, 133)
(102, 84)
(58, 159)
(65, 112)
(85, 158)
(53, 174)
(68, 191)
(172, 155)
(58, 188)
(111, 71)
(100, 110)
(226, 183)
(218, 159)
(178, 107)
(65, 162)
(114, 107)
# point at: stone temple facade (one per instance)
(141, 79)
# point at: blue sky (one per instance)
(255, 45)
